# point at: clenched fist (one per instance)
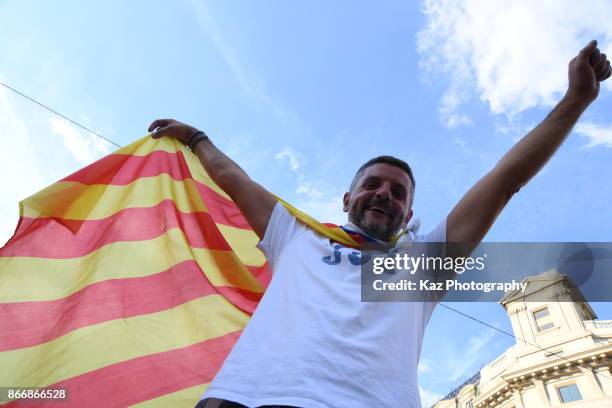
(586, 71)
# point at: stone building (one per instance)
(565, 359)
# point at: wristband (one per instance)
(195, 139)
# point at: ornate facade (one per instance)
(564, 357)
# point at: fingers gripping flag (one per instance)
(127, 282)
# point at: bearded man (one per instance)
(312, 342)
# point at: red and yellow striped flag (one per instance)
(128, 282)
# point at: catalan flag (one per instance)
(128, 282)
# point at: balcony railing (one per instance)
(598, 324)
(473, 379)
(497, 362)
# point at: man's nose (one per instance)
(384, 192)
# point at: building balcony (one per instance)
(598, 324)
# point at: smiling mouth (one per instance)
(378, 210)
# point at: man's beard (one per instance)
(383, 231)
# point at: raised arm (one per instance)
(254, 201)
(472, 217)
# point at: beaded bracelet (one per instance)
(195, 139)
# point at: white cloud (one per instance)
(597, 135)
(428, 398)
(18, 165)
(306, 187)
(511, 55)
(325, 209)
(424, 366)
(290, 155)
(84, 146)
(463, 144)
(32, 158)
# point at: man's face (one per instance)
(380, 201)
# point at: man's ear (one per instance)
(408, 217)
(345, 201)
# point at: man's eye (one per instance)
(399, 194)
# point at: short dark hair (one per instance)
(393, 161)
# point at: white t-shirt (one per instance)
(311, 342)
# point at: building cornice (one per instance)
(518, 380)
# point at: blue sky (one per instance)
(301, 93)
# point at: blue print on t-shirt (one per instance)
(354, 257)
